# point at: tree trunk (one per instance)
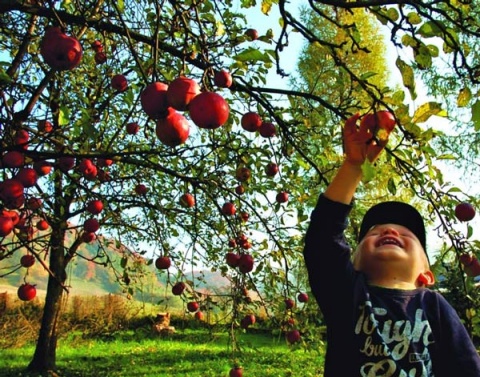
(44, 358)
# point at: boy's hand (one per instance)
(360, 142)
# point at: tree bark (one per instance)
(44, 358)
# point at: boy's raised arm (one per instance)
(359, 144)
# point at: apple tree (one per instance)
(176, 129)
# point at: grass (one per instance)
(189, 352)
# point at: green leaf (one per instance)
(267, 6)
(4, 78)
(476, 115)
(431, 29)
(413, 18)
(391, 186)
(408, 77)
(251, 54)
(464, 97)
(63, 115)
(368, 170)
(425, 111)
(392, 14)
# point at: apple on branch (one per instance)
(173, 129)
(181, 91)
(60, 51)
(154, 100)
(26, 292)
(209, 110)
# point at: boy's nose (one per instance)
(389, 230)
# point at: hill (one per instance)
(87, 274)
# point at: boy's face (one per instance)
(393, 246)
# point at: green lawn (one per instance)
(191, 353)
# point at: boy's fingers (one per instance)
(351, 123)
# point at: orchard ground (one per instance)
(110, 336)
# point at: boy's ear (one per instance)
(426, 278)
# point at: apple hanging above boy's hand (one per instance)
(380, 123)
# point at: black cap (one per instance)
(394, 213)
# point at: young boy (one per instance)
(381, 318)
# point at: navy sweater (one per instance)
(374, 331)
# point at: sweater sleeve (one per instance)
(327, 257)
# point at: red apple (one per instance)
(97, 46)
(271, 169)
(95, 206)
(293, 336)
(466, 259)
(251, 121)
(6, 225)
(13, 159)
(199, 316)
(464, 211)
(26, 292)
(66, 163)
(173, 129)
(44, 126)
(236, 372)
(252, 34)
(133, 128)
(141, 189)
(91, 225)
(88, 169)
(473, 269)
(163, 263)
(154, 100)
(245, 264)
(187, 200)
(178, 288)
(229, 209)
(209, 110)
(42, 225)
(27, 260)
(282, 197)
(302, 297)
(21, 138)
(100, 57)
(12, 214)
(119, 82)
(232, 259)
(289, 303)
(192, 306)
(11, 189)
(222, 79)
(382, 119)
(88, 237)
(247, 321)
(104, 162)
(243, 174)
(181, 91)
(42, 167)
(232, 242)
(27, 177)
(244, 216)
(267, 129)
(240, 190)
(60, 51)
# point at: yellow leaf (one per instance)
(425, 111)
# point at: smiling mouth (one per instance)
(388, 241)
